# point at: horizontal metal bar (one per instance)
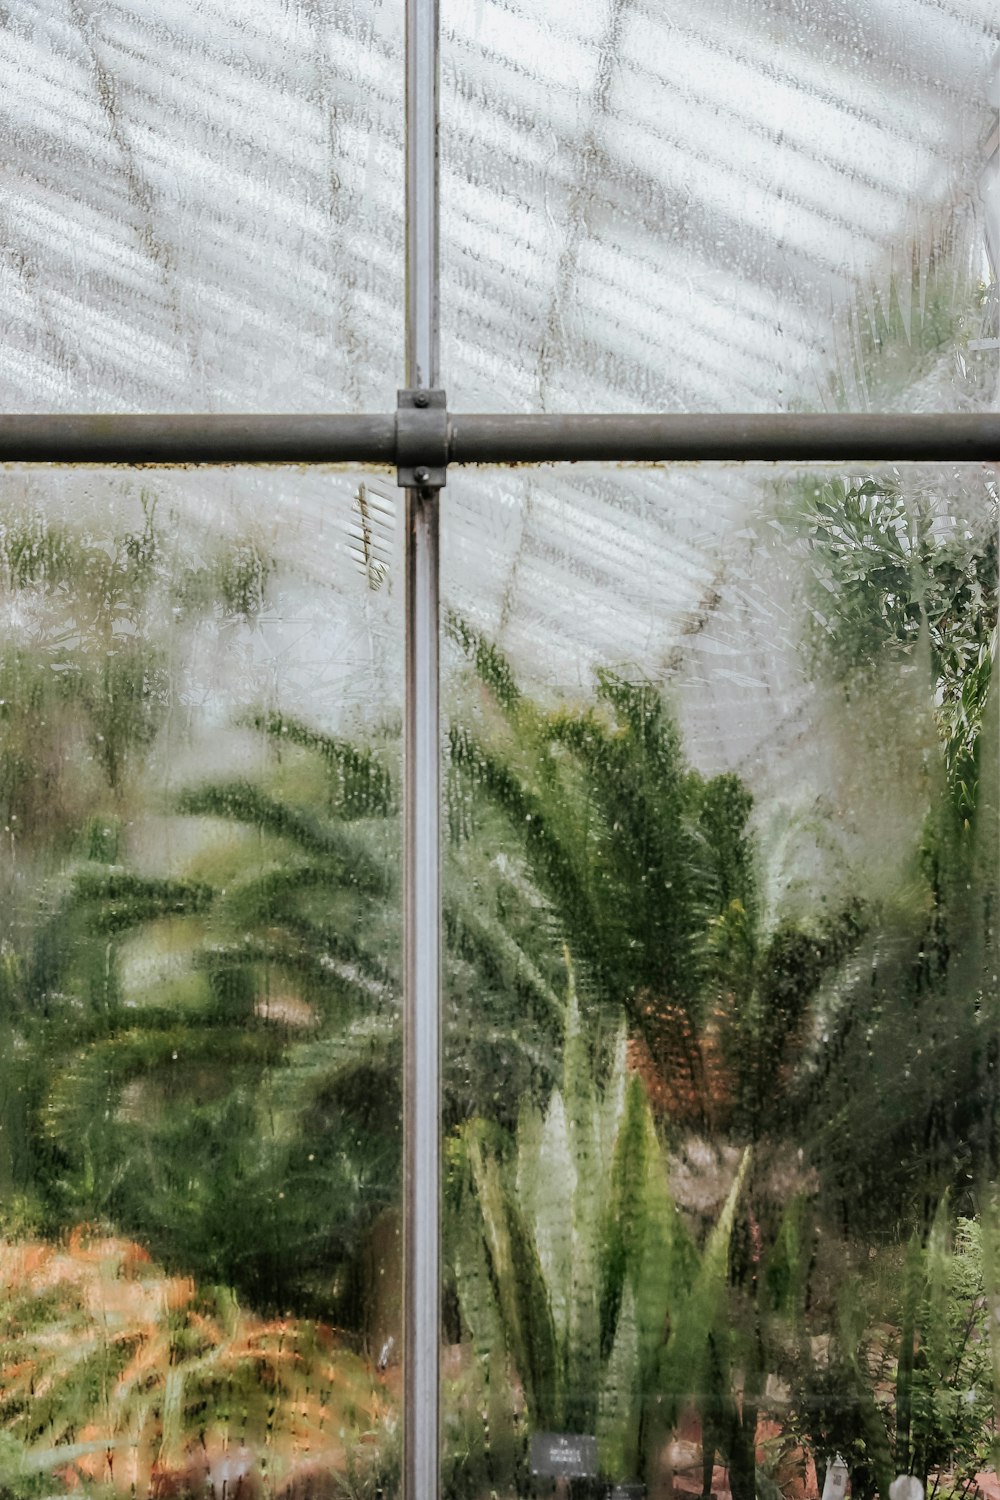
(197, 439)
(683, 438)
(487, 438)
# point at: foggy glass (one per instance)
(200, 1147)
(720, 206)
(720, 857)
(721, 991)
(202, 205)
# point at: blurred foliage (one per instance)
(97, 623)
(574, 1269)
(118, 1378)
(782, 1037)
(660, 1184)
(894, 582)
(899, 1087)
(911, 336)
(649, 871)
(903, 1384)
(195, 1058)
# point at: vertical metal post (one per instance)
(422, 332)
(422, 749)
(421, 1024)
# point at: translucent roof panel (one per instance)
(718, 206)
(202, 205)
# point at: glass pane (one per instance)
(726, 206)
(722, 1001)
(200, 689)
(202, 205)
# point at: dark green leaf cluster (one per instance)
(649, 870)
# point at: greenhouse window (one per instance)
(499, 985)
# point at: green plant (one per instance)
(574, 1269)
(892, 1092)
(649, 870)
(102, 615)
(224, 1048)
(121, 1380)
(904, 1385)
(898, 580)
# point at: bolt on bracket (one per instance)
(421, 439)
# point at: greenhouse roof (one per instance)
(716, 207)
(643, 207)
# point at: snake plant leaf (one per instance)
(787, 1266)
(686, 1353)
(619, 1405)
(523, 1296)
(546, 1184)
(611, 1110)
(662, 1259)
(480, 1310)
(912, 1280)
(583, 1343)
(476, 1294)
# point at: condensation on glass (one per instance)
(659, 208)
(721, 1108)
(203, 206)
(720, 857)
(200, 969)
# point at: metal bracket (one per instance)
(421, 439)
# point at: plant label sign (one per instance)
(625, 1492)
(835, 1484)
(564, 1455)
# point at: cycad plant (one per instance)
(649, 871)
(246, 1065)
(240, 1071)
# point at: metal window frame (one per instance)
(421, 439)
(431, 437)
